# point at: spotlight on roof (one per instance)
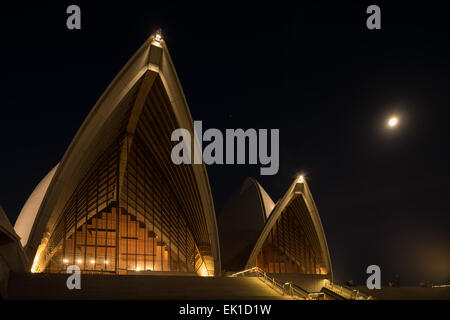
(157, 38)
(301, 179)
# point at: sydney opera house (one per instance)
(119, 209)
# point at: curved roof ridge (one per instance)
(266, 200)
(27, 215)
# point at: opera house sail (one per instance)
(293, 239)
(116, 203)
(282, 238)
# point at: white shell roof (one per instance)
(25, 221)
(267, 200)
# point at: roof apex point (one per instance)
(157, 37)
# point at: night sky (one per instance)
(313, 71)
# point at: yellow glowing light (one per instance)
(138, 268)
(106, 261)
(393, 122)
(79, 261)
(92, 261)
(300, 179)
(157, 38)
(149, 268)
(66, 260)
(203, 271)
(35, 262)
(35, 267)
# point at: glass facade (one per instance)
(288, 247)
(144, 231)
(134, 211)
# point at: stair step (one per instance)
(29, 286)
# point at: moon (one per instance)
(392, 122)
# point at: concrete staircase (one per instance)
(53, 286)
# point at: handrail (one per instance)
(297, 287)
(290, 291)
(294, 290)
(346, 292)
(254, 269)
